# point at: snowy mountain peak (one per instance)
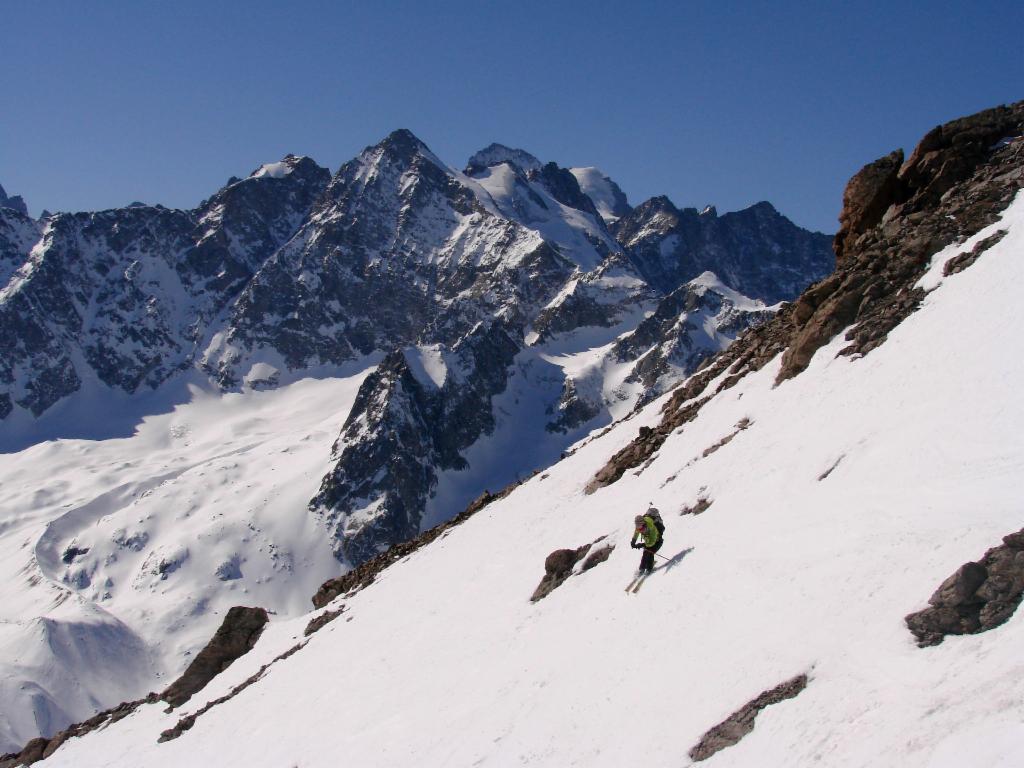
(496, 154)
(281, 168)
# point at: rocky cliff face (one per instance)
(14, 203)
(126, 296)
(456, 280)
(411, 420)
(756, 251)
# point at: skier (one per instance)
(649, 531)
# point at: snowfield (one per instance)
(119, 557)
(856, 489)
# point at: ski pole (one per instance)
(662, 556)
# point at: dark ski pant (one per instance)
(647, 558)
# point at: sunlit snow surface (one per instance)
(598, 188)
(118, 558)
(444, 661)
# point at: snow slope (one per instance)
(607, 197)
(120, 565)
(857, 488)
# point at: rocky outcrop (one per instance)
(741, 722)
(319, 622)
(236, 636)
(980, 596)
(963, 260)
(41, 748)
(867, 196)
(561, 564)
(699, 507)
(186, 723)
(403, 429)
(557, 568)
(949, 189)
(895, 217)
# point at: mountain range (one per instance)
(453, 280)
(368, 362)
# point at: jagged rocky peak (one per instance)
(401, 145)
(496, 154)
(412, 418)
(15, 203)
(656, 215)
(285, 166)
(756, 251)
(608, 197)
(379, 169)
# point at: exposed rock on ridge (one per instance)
(741, 722)
(236, 636)
(957, 181)
(980, 596)
(15, 203)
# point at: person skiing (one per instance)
(648, 536)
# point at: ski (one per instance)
(640, 583)
(633, 583)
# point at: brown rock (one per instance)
(741, 722)
(958, 180)
(866, 197)
(557, 568)
(236, 636)
(980, 596)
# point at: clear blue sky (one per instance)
(104, 103)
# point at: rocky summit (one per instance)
(515, 275)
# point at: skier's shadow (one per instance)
(675, 560)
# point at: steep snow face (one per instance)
(120, 557)
(854, 489)
(607, 195)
